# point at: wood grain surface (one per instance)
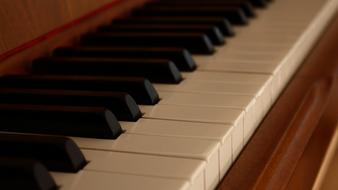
(23, 20)
(32, 28)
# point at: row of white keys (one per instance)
(233, 91)
(167, 138)
(275, 62)
(206, 150)
(126, 168)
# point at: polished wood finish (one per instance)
(289, 145)
(33, 28)
(327, 176)
(24, 20)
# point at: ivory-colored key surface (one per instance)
(217, 115)
(241, 66)
(205, 99)
(253, 110)
(261, 89)
(227, 77)
(218, 132)
(89, 180)
(201, 86)
(192, 170)
(192, 148)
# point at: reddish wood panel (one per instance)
(312, 157)
(282, 149)
(60, 31)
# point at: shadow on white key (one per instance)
(89, 180)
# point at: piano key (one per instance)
(88, 180)
(253, 108)
(121, 104)
(191, 170)
(212, 32)
(195, 42)
(246, 7)
(193, 113)
(16, 173)
(212, 87)
(205, 99)
(60, 120)
(163, 71)
(223, 133)
(200, 149)
(262, 91)
(55, 153)
(181, 57)
(260, 3)
(234, 15)
(235, 86)
(223, 24)
(255, 67)
(229, 55)
(139, 88)
(227, 77)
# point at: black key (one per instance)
(246, 7)
(163, 71)
(139, 88)
(181, 57)
(233, 14)
(220, 22)
(56, 153)
(195, 42)
(18, 174)
(92, 122)
(121, 104)
(214, 34)
(259, 3)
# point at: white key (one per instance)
(219, 132)
(89, 180)
(205, 99)
(253, 111)
(200, 86)
(227, 77)
(192, 170)
(240, 66)
(234, 117)
(262, 92)
(201, 149)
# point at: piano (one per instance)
(136, 94)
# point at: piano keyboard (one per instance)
(184, 130)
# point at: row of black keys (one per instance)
(101, 81)
(79, 103)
